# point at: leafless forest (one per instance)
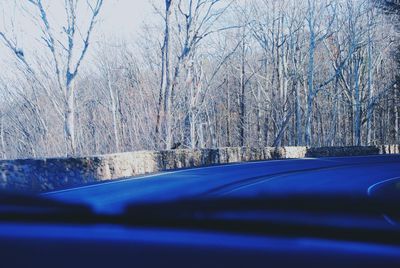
(203, 74)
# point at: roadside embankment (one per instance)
(40, 175)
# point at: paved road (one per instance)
(347, 175)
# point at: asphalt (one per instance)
(341, 176)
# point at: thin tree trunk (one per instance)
(396, 117)
(298, 140)
(369, 88)
(69, 122)
(242, 95)
(2, 142)
(165, 83)
(357, 108)
(310, 75)
(228, 122)
(114, 116)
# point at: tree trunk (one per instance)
(192, 123)
(369, 88)
(308, 138)
(114, 114)
(396, 117)
(357, 108)
(228, 122)
(165, 85)
(310, 83)
(242, 96)
(2, 142)
(69, 122)
(298, 140)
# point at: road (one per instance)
(344, 176)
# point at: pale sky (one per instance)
(125, 16)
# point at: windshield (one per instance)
(202, 113)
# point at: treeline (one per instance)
(206, 74)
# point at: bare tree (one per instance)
(67, 51)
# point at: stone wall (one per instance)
(40, 175)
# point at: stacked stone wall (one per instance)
(41, 175)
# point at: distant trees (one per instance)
(186, 25)
(208, 73)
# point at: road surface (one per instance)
(342, 176)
